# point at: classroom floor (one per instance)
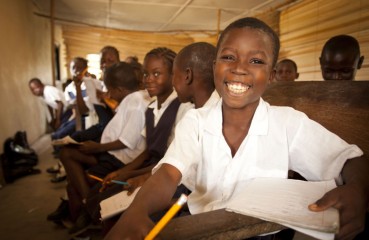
(25, 203)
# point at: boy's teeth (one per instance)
(237, 87)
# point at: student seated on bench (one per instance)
(340, 58)
(162, 116)
(243, 137)
(193, 81)
(121, 141)
(286, 70)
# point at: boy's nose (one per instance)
(148, 78)
(241, 67)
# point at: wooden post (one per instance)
(218, 23)
(52, 38)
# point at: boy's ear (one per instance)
(361, 60)
(189, 76)
(123, 90)
(271, 76)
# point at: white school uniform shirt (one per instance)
(183, 108)
(213, 99)
(51, 95)
(126, 125)
(279, 139)
(88, 88)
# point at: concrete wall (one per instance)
(25, 53)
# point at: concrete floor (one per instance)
(25, 203)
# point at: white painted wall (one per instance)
(25, 53)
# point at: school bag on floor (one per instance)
(18, 159)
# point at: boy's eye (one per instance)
(256, 61)
(227, 57)
(156, 74)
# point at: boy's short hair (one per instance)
(200, 57)
(254, 23)
(167, 54)
(287, 60)
(110, 49)
(340, 43)
(35, 80)
(121, 75)
(82, 60)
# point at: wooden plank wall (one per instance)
(82, 40)
(307, 25)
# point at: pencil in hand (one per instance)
(102, 180)
(166, 218)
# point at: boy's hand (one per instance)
(132, 225)
(136, 182)
(107, 180)
(89, 147)
(351, 204)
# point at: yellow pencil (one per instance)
(96, 178)
(166, 218)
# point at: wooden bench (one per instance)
(340, 106)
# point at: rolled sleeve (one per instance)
(319, 154)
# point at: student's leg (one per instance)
(75, 162)
(93, 133)
(106, 164)
(65, 129)
(74, 202)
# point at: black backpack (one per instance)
(18, 159)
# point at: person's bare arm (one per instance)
(58, 114)
(124, 173)
(94, 147)
(351, 199)
(154, 195)
(81, 105)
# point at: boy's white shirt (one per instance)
(126, 125)
(279, 139)
(90, 85)
(214, 98)
(52, 94)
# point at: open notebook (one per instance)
(64, 141)
(116, 204)
(286, 201)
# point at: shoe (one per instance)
(82, 223)
(58, 178)
(53, 169)
(60, 213)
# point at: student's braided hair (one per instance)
(162, 52)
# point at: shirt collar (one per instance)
(259, 124)
(154, 104)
